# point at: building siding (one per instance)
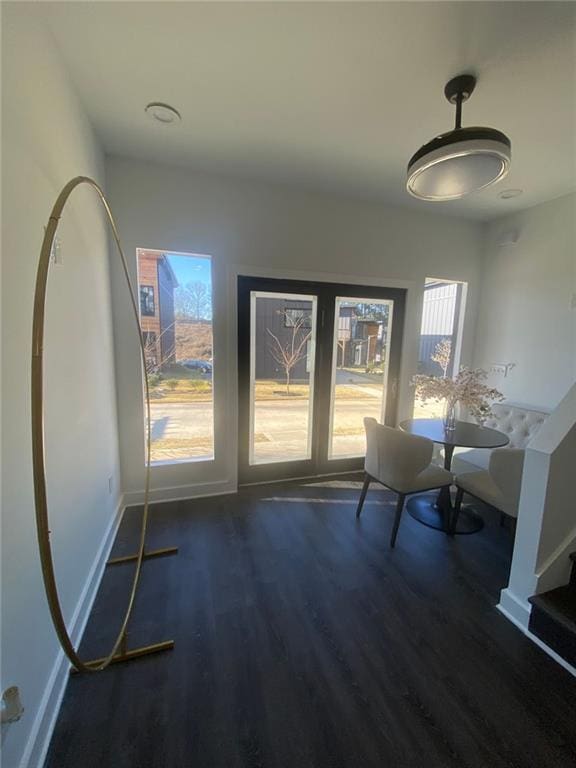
(154, 271)
(439, 321)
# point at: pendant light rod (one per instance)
(457, 91)
(458, 123)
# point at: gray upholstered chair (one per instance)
(402, 463)
(498, 486)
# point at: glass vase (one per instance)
(449, 418)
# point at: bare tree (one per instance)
(154, 353)
(290, 353)
(193, 301)
(442, 355)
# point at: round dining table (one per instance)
(435, 510)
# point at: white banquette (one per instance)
(519, 422)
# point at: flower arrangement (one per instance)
(467, 388)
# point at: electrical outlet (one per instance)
(110, 484)
(502, 369)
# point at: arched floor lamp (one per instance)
(119, 651)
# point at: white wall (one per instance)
(527, 316)
(527, 309)
(47, 140)
(254, 228)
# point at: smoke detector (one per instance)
(163, 113)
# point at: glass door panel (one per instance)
(282, 366)
(360, 368)
(314, 359)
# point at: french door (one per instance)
(313, 360)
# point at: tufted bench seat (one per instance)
(519, 422)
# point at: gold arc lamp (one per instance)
(119, 651)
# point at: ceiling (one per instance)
(333, 96)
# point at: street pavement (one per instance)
(280, 428)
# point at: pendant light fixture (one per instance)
(461, 161)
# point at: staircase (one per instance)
(553, 617)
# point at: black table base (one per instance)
(436, 510)
(425, 509)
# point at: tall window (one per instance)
(176, 324)
(440, 337)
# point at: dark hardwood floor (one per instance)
(302, 639)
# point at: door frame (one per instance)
(318, 464)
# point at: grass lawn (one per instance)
(274, 390)
(192, 388)
(181, 391)
(181, 385)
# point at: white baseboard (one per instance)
(518, 617)
(203, 490)
(182, 492)
(39, 740)
(515, 609)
